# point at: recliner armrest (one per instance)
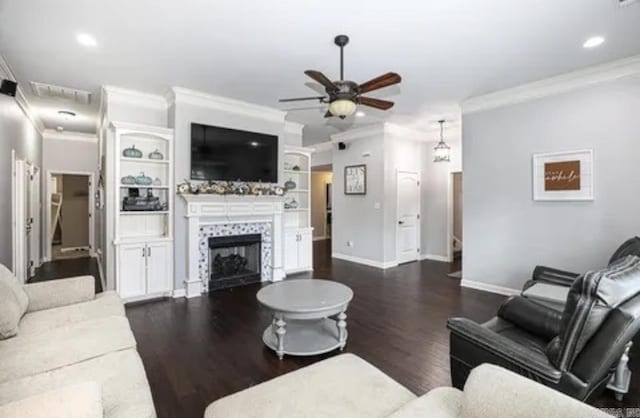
(496, 346)
(554, 276)
(60, 292)
(531, 316)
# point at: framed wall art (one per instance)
(564, 175)
(355, 179)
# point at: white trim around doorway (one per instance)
(47, 222)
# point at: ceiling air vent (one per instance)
(626, 2)
(58, 92)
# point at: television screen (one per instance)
(233, 155)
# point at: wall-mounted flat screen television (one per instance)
(233, 155)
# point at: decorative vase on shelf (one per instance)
(143, 180)
(290, 184)
(132, 152)
(157, 182)
(156, 155)
(128, 180)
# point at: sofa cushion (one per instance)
(342, 386)
(442, 402)
(14, 284)
(13, 303)
(125, 390)
(36, 353)
(104, 305)
(82, 400)
(60, 292)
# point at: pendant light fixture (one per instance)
(442, 151)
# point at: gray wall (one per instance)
(507, 233)
(355, 218)
(16, 133)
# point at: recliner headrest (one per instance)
(629, 247)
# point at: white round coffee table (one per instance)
(302, 316)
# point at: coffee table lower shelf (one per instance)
(305, 337)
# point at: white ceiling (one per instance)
(445, 50)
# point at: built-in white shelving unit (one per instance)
(298, 235)
(142, 239)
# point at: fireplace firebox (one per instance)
(234, 260)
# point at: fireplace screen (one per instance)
(234, 260)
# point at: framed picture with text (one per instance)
(355, 179)
(564, 175)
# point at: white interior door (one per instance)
(408, 214)
(33, 221)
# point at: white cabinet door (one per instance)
(131, 270)
(291, 249)
(159, 271)
(305, 249)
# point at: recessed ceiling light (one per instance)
(85, 39)
(59, 128)
(360, 113)
(593, 42)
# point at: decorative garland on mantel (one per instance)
(239, 188)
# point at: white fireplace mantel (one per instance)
(207, 209)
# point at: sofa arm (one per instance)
(78, 400)
(492, 391)
(62, 292)
(552, 276)
(531, 316)
(471, 344)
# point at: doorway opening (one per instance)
(456, 224)
(70, 228)
(321, 210)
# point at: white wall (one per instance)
(16, 133)
(507, 233)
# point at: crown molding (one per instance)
(555, 85)
(123, 95)
(69, 136)
(322, 146)
(225, 104)
(293, 127)
(21, 99)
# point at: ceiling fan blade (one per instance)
(328, 114)
(297, 99)
(322, 79)
(384, 80)
(377, 103)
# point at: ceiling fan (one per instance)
(342, 95)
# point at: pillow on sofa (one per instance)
(13, 303)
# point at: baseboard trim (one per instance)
(365, 261)
(491, 288)
(178, 293)
(435, 257)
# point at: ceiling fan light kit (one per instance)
(343, 96)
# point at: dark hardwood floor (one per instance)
(59, 269)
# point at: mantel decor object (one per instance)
(132, 152)
(355, 179)
(237, 188)
(563, 176)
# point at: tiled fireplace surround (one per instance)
(214, 216)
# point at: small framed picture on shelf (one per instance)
(355, 179)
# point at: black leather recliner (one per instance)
(574, 351)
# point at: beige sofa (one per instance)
(347, 386)
(73, 352)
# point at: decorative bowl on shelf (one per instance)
(143, 180)
(290, 184)
(132, 152)
(156, 155)
(128, 180)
